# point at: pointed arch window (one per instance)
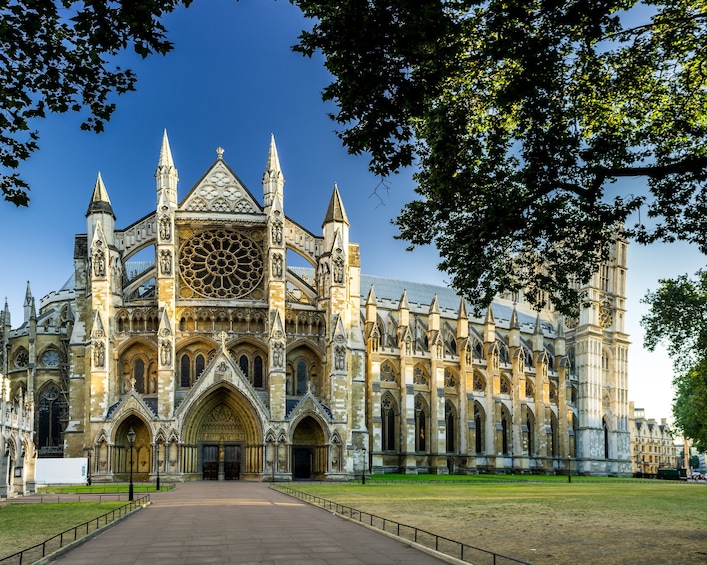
(200, 366)
(258, 372)
(479, 429)
(51, 406)
(139, 375)
(388, 424)
(530, 424)
(420, 425)
(450, 426)
(243, 364)
(505, 432)
(606, 439)
(301, 378)
(184, 366)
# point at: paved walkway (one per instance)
(238, 522)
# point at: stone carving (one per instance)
(277, 265)
(166, 261)
(339, 358)
(99, 260)
(338, 270)
(166, 353)
(276, 230)
(165, 228)
(99, 354)
(278, 354)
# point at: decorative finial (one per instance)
(219, 152)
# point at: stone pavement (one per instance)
(239, 522)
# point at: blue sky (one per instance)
(231, 81)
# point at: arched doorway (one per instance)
(309, 450)
(141, 454)
(223, 437)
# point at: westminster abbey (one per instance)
(228, 363)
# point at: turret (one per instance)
(273, 179)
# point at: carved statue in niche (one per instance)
(277, 265)
(99, 354)
(165, 228)
(166, 261)
(338, 270)
(166, 353)
(278, 354)
(339, 357)
(276, 230)
(99, 261)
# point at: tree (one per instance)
(55, 57)
(518, 116)
(678, 320)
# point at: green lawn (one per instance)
(549, 521)
(24, 525)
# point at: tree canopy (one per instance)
(55, 56)
(678, 320)
(518, 116)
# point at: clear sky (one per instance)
(231, 81)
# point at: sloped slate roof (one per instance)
(420, 296)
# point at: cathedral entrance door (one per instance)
(209, 463)
(303, 462)
(221, 462)
(232, 462)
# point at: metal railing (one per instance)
(54, 543)
(453, 548)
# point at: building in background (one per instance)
(18, 455)
(236, 343)
(652, 444)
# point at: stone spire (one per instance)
(538, 336)
(100, 203)
(166, 174)
(514, 329)
(29, 303)
(100, 210)
(273, 179)
(336, 212)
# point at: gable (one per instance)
(220, 191)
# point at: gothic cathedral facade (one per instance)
(228, 363)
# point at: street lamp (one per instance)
(88, 451)
(363, 474)
(131, 441)
(569, 468)
(158, 443)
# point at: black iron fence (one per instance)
(450, 547)
(49, 546)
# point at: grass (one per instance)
(100, 489)
(24, 525)
(548, 521)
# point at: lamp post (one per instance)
(569, 468)
(88, 451)
(158, 443)
(363, 473)
(131, 441)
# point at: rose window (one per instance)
(221, 264)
